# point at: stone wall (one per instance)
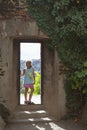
(2, 124)
(54, 94)
(52, 83)
(4, 81)
(9, 30)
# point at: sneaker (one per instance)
(30, 103)
(25, 102)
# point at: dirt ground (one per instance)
(72, 125)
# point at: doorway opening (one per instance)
(30, 51)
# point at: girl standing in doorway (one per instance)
(29, 80)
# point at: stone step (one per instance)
(30, 114)
(31, 120)
(29, 107)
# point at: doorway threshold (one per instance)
(36, 99)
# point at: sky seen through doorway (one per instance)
(30, 51)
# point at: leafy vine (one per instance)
(65, 22)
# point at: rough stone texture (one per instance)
(4, 69)
(61, 125)
(52, 82)
(12, 31)
(2, 124)
(53, 97)
(84, 115)
(9, 29)
(54, 94)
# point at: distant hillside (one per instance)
(36, 63)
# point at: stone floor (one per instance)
(61, 125)
(34, 118)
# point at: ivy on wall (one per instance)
(65, 22)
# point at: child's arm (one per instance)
(22, 73)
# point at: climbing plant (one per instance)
(65, 22)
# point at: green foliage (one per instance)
(65, 22)
(75, 100)
(73, 103)
(37, 83)
(79, 79)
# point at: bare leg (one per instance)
(31, 93)
(25, 94)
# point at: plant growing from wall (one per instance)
(65, 22)
(79, 79)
